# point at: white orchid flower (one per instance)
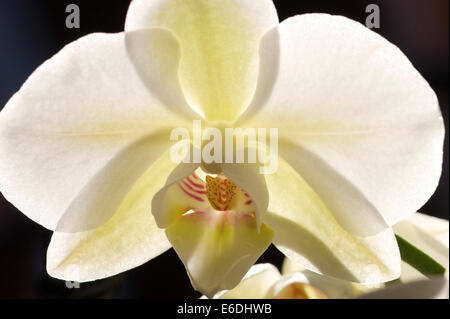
(436, 288)
(85, 143)
(332, 287)
(264, 281)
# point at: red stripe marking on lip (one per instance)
(248, 202)
(195, 184)
(193, 189)
(189, 194)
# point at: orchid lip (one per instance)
(211, 223)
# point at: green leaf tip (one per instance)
(416, 258)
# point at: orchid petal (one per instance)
(217, 248)
(256, 284)
(331, 287)
(307, 232)
(183, 191)
(295, 286)
(289, 267)
(429, 234)
(269, 61)
(248, 178)
(129, 239)
(422, 289)
(79, 133)
(158, 69)
(353, 101)
(351, 208)
(219, 42)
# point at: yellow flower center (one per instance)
(220, 191)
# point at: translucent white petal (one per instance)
(332, 287)
(79, 133)
(269, 61)
(423, 289)
(219, 42)
(296, 286)
(307, 232)
(289, 267)
(155, 54)
(349, 206)
(256, 284)
(354, 101)
(129, 239)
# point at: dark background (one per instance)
(31, 31)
